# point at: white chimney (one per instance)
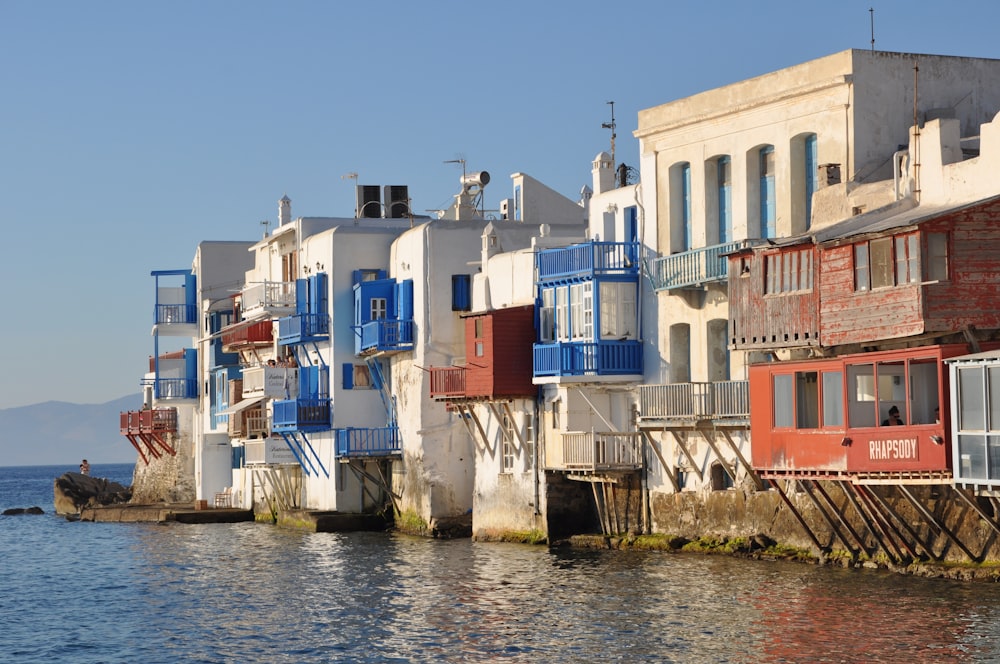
(284, 210)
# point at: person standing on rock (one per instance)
(85, 467)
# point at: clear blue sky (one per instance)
(130, 131)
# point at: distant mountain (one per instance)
(57, 432)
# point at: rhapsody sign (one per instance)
(894, 448)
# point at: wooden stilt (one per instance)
(978, 509)
(670, 471)
(687, 453)
(809, 486)
(941, 527)
(858, 539)
(802, 522)
(751, 473)
(885, 528)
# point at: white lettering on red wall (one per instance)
(895, 448)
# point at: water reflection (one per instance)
(253, 593)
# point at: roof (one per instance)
(975, 357)
(903, 214)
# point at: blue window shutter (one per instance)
(321, 297)
(356, 277)
(382, 274)
(812, 176)
(767, 209)
(686, 202)
(190, 291)
(461, 292)
(191, 365)
(723, 167)
(301, 296)
(348, 373)
(404, 300)
(631, 224)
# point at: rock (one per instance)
(74, 491)
(15, 511)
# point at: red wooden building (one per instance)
(916, 275)
(498, 359)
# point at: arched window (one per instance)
(720, 478)
(767, 203)
(718, 350)
(811, 175)
(723, 169)
(686, 207)
(680, 207)
(680, 353)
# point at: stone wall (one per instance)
(169, 479)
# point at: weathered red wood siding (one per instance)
(505, 368)
(765, 322)
(970, 297)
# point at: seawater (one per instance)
(88, 592)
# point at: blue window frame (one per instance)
(767, 211)
(461, 292)
(811, 175)
(686, 206)
(724, 171)
(632, 224)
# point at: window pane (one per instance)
(861, 267)
(901, 263)
(807, 400)
(937, 256)
(833, 399)
(970, 399)
(562, 322)
(782, 401)
(993, 456)
(861, 395)
(972, 457)
(881, 262)
(924, 391)
(913, 255)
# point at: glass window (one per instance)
(767, 206)
(861, 395)
(833, 399)
(924, 400)
(618, 311)
(972, 456)
(811, 175)
(724, 170)
(892, 391)
(479, 328)
(881, 262)
(686, 206)
(937, 257)
(576, 310)
(378, 308)
(546, 316)
(588, 310)
(806, 400)
(562, 310)
(861, 279)
(783, 400)
(971, 401)
(993, 376)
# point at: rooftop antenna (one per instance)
(458, 161)
(352, 176)
(871, 13)
(611, 125)
(266, 224)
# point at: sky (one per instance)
(132, 131)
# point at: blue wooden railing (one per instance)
(386, 334)
(303, 414)
(691, 268)
(602, 358)
(173, 388)
(588, 260)
(303, 327)
(175, 313)
(361, 442)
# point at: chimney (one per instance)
(284, 210)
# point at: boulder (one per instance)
(74, 491)
(15, 511)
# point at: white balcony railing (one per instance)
(593, 451)
(271, 382)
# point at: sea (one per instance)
(82, 592)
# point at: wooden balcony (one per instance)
(242, 336)
(249, 423)
(147, 430)
(587, 358)
(692, 268)
(273, 297)
(693, 402)
(303, 328)
(368, 442)
(384, 335)
(448, 382)
(588, 260)
(595, 452)
(304, 414)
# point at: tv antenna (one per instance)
(871, 14)
(611, 125)
(458, 161)
(266, 224)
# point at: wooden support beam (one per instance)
(840, 517)
(943, 528)
(978, 509)
(795, 512)
(925, 543)
(482, 432)
(757, 481)
(883, 526)
(852, 498)
(670, 471)
(809, 486)
(517, 429)
(687, 453)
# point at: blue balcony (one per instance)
(175, 314)
(173, 388)
(384, 335)
(378, 442)
(589, 260)
(304, 414)
(303, 328)
(588, 358)
(692, 268)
